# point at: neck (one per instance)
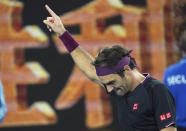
(138, 78)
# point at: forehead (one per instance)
(107, 78)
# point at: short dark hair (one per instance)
(179, 9)
(179, 13)
(110, 56)
(182, 42)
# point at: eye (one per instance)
(105, 86)
(109, 86)
(111, 83)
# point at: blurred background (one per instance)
(43, 88)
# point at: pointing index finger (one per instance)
(51, 12)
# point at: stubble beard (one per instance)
(123, 89)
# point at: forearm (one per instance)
(80, 56)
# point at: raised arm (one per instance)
(80, 56)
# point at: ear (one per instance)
(126, 68)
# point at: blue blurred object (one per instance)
(3, 108)
(175, 79)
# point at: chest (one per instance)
(136, 110)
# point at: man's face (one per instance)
(114, 82)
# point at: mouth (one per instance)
(118, 89)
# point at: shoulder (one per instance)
(161, 93)
(156, 86)
(154, 83)
(172, 68)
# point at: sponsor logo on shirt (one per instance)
(135, 106)
(176, 80)
(168, 115)
(165, 116)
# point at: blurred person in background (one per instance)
(175, 79)
(175, 75)
(3, 108)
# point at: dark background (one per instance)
(59, 67)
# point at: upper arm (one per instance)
(83, 60)
(164, 107)
(171, 128)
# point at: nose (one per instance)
(110, 88)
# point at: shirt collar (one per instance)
(147, 76)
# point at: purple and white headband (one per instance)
(102, 71)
